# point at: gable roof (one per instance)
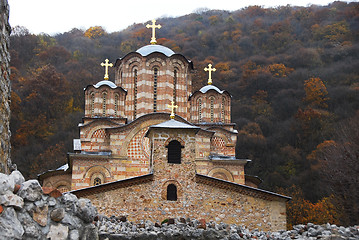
(244, 189)
(216, 182)
(112, 185)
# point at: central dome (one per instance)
(147, 50)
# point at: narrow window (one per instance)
(92, 103)
(174, 152)
(134, 93)
(199, 110)
(223, 109)
(104, 104)
(172, 192)
(116, 104)
(174, 85)
(97, 181)
(212, 109)
(155, 76)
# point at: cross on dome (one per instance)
(106, 65)
(209, 70)
(153, 26)
(172, 107)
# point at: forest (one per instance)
(293, 73)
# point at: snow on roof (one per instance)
(210, 87)
(147, 50)
(174, 124)
(105, 82)
(63, 167)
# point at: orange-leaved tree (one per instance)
(94, 32)
(302, 211)
(316, 94)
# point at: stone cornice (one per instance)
(224, 161)
(99, 120)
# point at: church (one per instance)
(152, 148)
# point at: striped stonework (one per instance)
(210, 107)
(104, 101)
(152, 82)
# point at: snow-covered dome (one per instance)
(147, 50)
(105, 82)
(209, 87)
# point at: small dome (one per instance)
(105, 82)
(147, 50)
(209, 87)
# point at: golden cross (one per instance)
(106, 65)
(209, 70)
(172, 107)
(153, 26)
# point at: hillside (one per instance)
(293, 73)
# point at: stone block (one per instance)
(11, 200)
(58, 232)
(57, 214)
(40, 215)
(30, 190)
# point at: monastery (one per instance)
(151, 148)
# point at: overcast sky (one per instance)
(58, 16)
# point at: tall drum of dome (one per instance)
(154, 76)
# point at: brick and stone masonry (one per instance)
(5, 91)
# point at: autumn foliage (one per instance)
(302, 211)
(292, 72)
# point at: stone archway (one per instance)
(221, 173)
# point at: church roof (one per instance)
(51, 172)
(244, 189)
(147, 50)
(105, 82)
(207, 88)
(113, 185)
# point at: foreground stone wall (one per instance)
(118, 228)
(5, 91)
(28, 211)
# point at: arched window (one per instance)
(155, 76)
(104, 104)
(97, 181)
(212, 108)
(172, 192)
(174, 85)
(199, 110)
(92, 104)
(174, 152)
(134, 93)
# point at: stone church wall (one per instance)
(5, 91)
(145, 202)
(219, 202)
